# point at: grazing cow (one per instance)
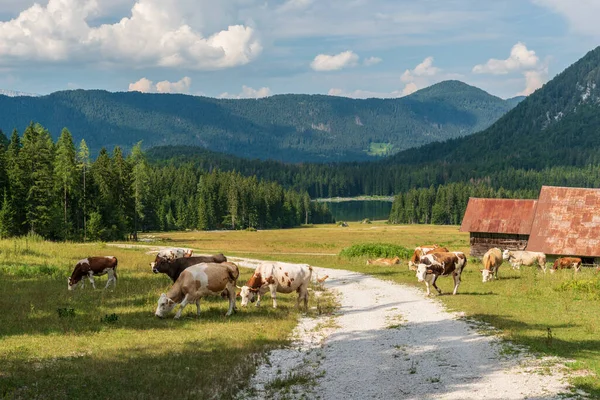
(567, 262)
(441, 264)
(198, 281)
(94, 266)
(175, 266)
(492, 260)
(421, 251)
(384, 261)
(516, 258)
(173, 253)
(277, 277)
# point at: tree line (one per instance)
(56, 191)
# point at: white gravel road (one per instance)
(392, 342)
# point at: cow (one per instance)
(518, 258)
(277, 277)
(384, 261)
(173, 267)
(421, 251)
(492, 260)
(173, 253)
(567, 262)
(434, 265)
(197, 281)
(94, 266)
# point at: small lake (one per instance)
(357, 210)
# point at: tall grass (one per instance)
(376, 250)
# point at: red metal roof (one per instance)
(567, 222)
(499, 216)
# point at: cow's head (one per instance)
(72, 282)
(422, 272)
(165, 306)
(160, 264)
(486, 275)
(506, 255)
(247, 294)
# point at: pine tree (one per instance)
(16, 182)
(139, 186)
(65, 171)
(7, 218)
(83, 162)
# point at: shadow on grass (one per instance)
(200, 368)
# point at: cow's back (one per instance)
(205, 278)
(289, 277)
(492, 258)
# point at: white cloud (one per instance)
(372, 61)
(419, 77)
(533, 81)
(325, 62)
(582, 15)
(248, 93)
(145, 85)
(155, 34)
(520, 59)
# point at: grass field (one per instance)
(90, 354)
(48, 351)
(522, 305)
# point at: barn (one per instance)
(567, 223)
(503, 223)
(562, 222)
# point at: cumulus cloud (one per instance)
(582, 15)
(248, 93)
(325, 62)
(372, 61)
(145, 85)
(520, 59)
(155, 34)
(419, 77)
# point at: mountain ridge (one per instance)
(291, 128)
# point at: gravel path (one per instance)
(392, 342)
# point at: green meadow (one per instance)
(88, 343)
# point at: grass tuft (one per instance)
(376, 250)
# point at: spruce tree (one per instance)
(83, 162)
(65, 171)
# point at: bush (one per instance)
(376, 250)
(366, 221)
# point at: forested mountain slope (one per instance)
(557, 125)
(290, 128)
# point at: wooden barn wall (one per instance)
(482, 242)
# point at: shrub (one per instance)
(376, 250)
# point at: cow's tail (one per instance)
(115, 267)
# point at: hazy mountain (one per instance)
(13, 93)
(289, 128)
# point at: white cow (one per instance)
(516, 258)
(277, 277)
(196, 282)
(174, 252)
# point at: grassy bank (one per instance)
(553, 314)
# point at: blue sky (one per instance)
(254, 48)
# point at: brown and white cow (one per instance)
(492, 260)
(173, 267)
(566, 263)
(198, 281)
(277, 277)
(384, 261)
(173, 253)
(421, 251)
(516, 258)
(94, 266)
(441, 264)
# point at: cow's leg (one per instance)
(198, 306)
(456, 281)
(111, 278)
(274, 294)
(258, 296)
(427, 287)
(231, 292)
(182, 306)
(434, 285)
(305, 296)
(91, 277)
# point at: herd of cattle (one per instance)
(195, 277)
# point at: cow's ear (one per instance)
(170, 301)
(430, 271)
(238, 294)
(163, 295)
